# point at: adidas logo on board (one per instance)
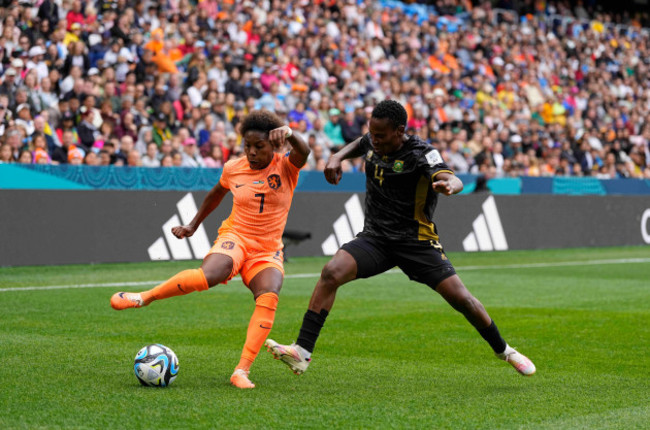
(169, 247)
(488, 232)
(346, 226)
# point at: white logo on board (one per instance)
(346, 226)
(169, 247)
(645, 231)
(488, 232)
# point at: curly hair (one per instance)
(392, 110)
(260, 120)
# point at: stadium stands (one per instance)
(501, 92)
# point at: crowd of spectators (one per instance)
(498, 92)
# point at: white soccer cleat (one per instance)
(289, 355)
(518, 360)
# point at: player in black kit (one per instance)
(404, 176)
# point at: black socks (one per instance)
(312, 323)
(493, 337)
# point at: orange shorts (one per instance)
(246, 259)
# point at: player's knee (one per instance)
(216, 274)
(217, 268)
(331, 276)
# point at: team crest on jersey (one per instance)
(369, 155)
(398, 166)
(228, 245)
(274, 182)
(433, 157)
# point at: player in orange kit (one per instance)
(250, 240)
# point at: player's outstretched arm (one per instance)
(299, 149)
(210, 203)
(333, 170)
(447, 183)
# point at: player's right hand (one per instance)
(183, 231)
(333, 170)
(278, 135)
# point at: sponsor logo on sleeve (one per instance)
(433, 157)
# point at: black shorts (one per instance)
(421, 260)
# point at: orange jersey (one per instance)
(261, 199)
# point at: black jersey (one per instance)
(399, 198)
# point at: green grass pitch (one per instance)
(391, 355)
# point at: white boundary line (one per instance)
(315, 275)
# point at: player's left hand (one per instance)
(443, 187)
(278, 135)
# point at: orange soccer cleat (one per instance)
(240, 379)
(121, 301)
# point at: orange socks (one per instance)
(182, 283)
(258, 328)
(194, 280)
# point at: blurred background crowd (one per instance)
(502, 89)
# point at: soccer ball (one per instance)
(156, 366)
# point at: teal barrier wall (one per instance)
(15, 176)
(66, 177)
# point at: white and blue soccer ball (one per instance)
(156, 366)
